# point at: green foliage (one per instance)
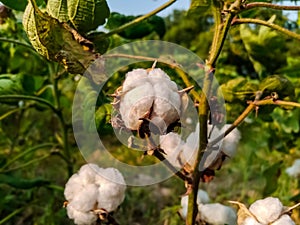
(153, 24)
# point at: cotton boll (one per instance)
(284, 220)
(202, 198)
(87, 173)
(217, 214)
(250, 221)
(266, 210)
(86, 199)
(73, 186)
(134, 79)
(230, 142)
(136, 104)
(81, 218)
(172, 145)
(294, 170)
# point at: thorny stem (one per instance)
(268, 24)
(270, 5)
(140, 19)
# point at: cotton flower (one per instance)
(294, 170)
(93, 188)
(202, 198)
(217, 214)
(148, 94)
(266, 210)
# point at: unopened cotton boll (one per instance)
(284, 220)
(266, 210)
(294, 170)
(217, 214)
(202, 198)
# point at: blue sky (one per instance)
(135, 7)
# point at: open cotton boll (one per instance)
(202, 198)
(217, 214)
(93, 187)
(172, 145)
(231, 141)
(135, 104)
(267, 210)
(294, 170)
(81, 218)
(250, 221)
(284, 220)
(134, 78)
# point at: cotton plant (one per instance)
(211, 213)
(92, 193)
(267, 211)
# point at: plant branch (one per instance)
(23, 153)
(268, 24)
(141, 18)
(17, 43)
(270, 5)
(4, 98)
(8, 217)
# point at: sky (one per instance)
(136, 7)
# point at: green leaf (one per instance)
(58, 9)
(21, 183)
(140, 30)
(87, 15)
(10, 84)
(101, 42)
(271, 175)
(279, 84)
(199, 6)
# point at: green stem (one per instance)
(4, 220)
(268, 24)
(11, 112)
(45, 145)
(140, 19)
(27, 97)
(17, 43)
(270, 5)
(27, 164)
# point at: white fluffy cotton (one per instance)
(202, 198)
(284, 220)
(250, 221)
(294, 170)
(267, 210)
(93, 188)
(217, 214)
(143, 89)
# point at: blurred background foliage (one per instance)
(34, 164)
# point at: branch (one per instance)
(270, 5)
(268, 24)
(139, 19)
(252, 105)
(17, 43)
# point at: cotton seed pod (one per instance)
(87, 15)
(294, 170)
(217, 214)
(284, 220)
(267, 210)
(148, 94)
